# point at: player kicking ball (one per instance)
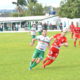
(60, 40)
(43, 43)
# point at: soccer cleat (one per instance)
(30, 68)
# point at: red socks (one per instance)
(74, 43)
(72, 35)
(47, 61)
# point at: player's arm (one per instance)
(51, 38)
(33, 41)
(48, 45)
(65, 44)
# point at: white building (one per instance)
(10, 22)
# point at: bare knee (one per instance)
(38, 60)
(75, 39)
(33, 60)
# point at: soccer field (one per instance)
(16, 53)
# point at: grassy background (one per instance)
(16, 53)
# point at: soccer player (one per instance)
(38, 55)
(60, 40)
(33, 31)
(72, 26)
(76, 34)
(40, 28)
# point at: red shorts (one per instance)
(77, 36)
(72, 31)
(53, 53)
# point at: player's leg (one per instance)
(40, 56)
(46, 59)
(50, 60)
(79, 39)
(75, 40)
(72, 34)
(49, 54)
(36, 62)
(34, 57)
(33, 60)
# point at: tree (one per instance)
(34, 9)
(19, 7)
(47, 9)
(22, 2)
(33, 1)
(70, 9)
(38, 9)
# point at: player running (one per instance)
(76, 34)
(60, 40)
(38, 55)
(33, 31)
(72, 26)
(40, 28)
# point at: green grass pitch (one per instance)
(16, 53)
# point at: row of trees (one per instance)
(29, 8)
(70, 9)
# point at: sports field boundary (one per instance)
(24, 31)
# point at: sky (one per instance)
(7, 4)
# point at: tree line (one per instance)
(68, 8)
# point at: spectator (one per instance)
(61, 27)
(17, 27)
(1, 27)
(54, 25)
(45, 26)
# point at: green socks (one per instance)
(33, 64)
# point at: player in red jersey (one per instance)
(60, 40)
(72, 26)
(76, 34)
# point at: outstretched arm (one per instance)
(49, 45)
(65, 44)
(33, 41)
(51, 38)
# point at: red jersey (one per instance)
(77, 30)
(58, 40)
(72, 28)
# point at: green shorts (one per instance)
(40, 32)
(38, 54)
(33, 36)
